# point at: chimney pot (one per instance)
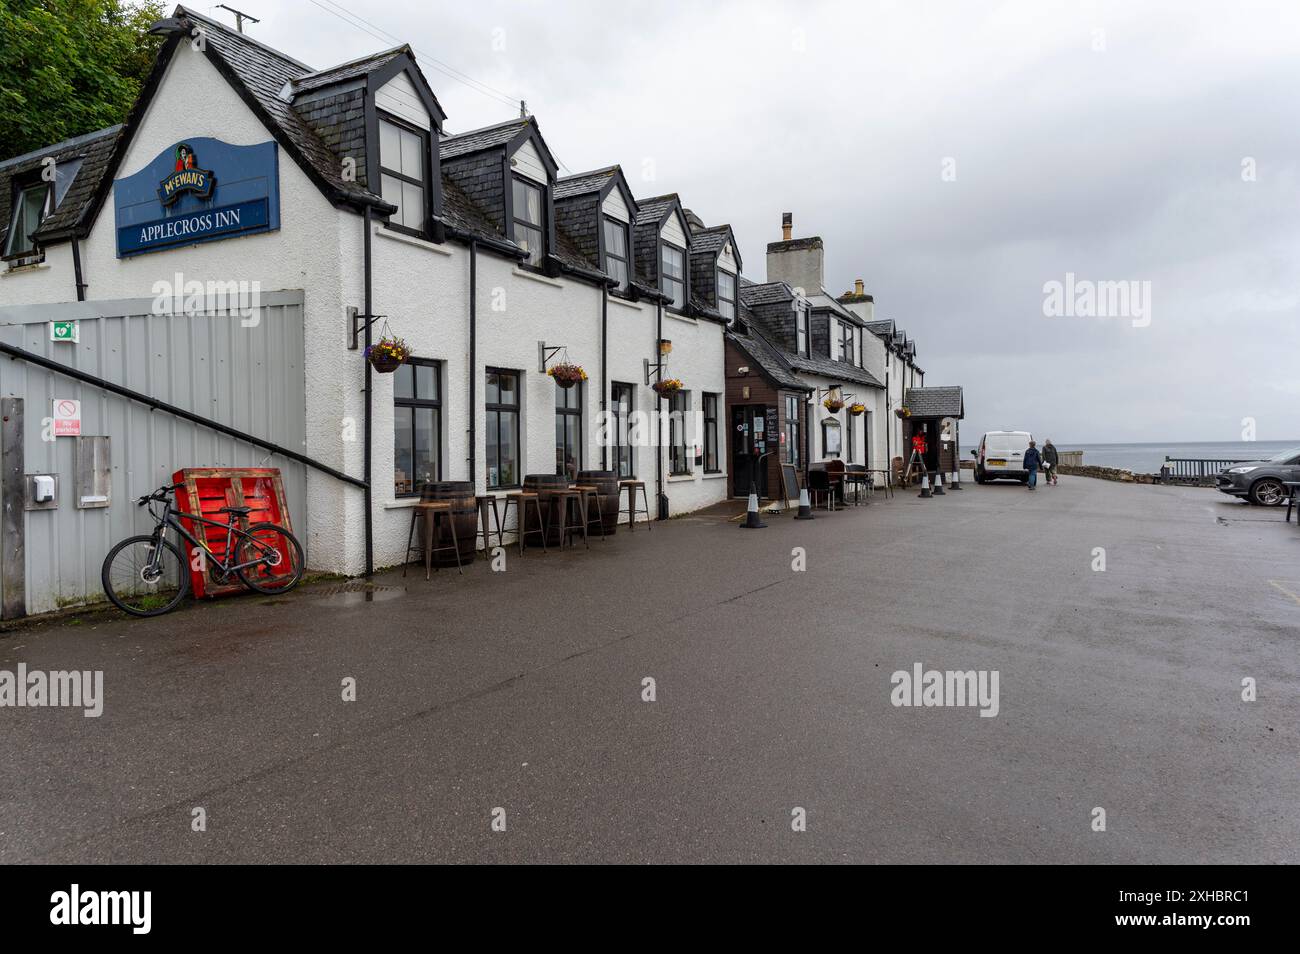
(858, 288)
(787, 225)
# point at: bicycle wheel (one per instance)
(138, 587)
(276, 556)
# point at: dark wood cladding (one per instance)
(761, 391)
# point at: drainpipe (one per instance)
(661, 499)
(473, 364)
(369, 303)
(604, 384)
(76, 270)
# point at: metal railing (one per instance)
(1194, 470)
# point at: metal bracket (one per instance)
(652, 367)
(545, 353)
(358, 323)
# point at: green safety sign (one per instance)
(63, 331)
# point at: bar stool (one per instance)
(590, 492)
(573, 506)
(521, 499)
(486, 531)
(632, 485)
(430, 514)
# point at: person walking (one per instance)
(1033, 461)
(1051, 460)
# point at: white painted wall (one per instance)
(674, 231)
(615, 207)
(398, 96)
(527, 162)
(727, 260)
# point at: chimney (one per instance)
(798, 262)
(858, 287)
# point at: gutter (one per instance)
(76, 270)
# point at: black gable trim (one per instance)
(404, 63)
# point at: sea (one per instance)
(1147, 458)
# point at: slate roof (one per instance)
(93, 149)
(883, 327)
(829, 368)
(654, 209)
(462, 214)
(476, 140)
(710, 239)
(349, 70)
(583, 183)
(755, 294)
(769, 358)
(935, 402)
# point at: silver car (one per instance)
(1262, 482)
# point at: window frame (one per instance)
(435, 404)
(801, 334)
(677, 435)
(426, 186)
(35, 254)
(792, 428)
(539, 227)
(846, 343)
(709, 408)
(626, 229)
(564, 412)
(623, 427)
(729, 300)
(684, 281)
(498, 408)
(830, 424)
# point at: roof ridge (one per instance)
(352, 62)
(226, 29)
(518, 121)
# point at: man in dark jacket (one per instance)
(1033, 461)
(1051, 460)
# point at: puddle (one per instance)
(355, 594)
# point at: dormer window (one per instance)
(727, 295)
(31, 204)
(617, 259)
(527, 213)
(404, 174)
(672, 276)
(846, 342)
(801, 331)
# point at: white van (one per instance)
(1002, 454)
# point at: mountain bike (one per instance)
(146, 575)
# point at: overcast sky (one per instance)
(955, 156)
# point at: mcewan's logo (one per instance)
(187, 177)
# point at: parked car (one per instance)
(1001, 454)
(1262, 482)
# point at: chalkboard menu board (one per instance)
(790, 478)
(773, 425)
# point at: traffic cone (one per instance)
(805, 506)
(938, 485)
(925, 486)
(955, 483)
(751, 515)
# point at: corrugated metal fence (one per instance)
(245, 372)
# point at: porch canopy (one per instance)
(930, 407)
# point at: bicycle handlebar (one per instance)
(159, 494)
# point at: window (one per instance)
(846, 342)
(404, 173)
(801, 331)
(617, 259)
(849, 429)
(672, 280)
(727, 295)
(31, 204)
(417, 425)
(528, 220)
(711, 434)
(502, 404)
(568, 431)
(624, 402)
(679, 461)
(792, 450)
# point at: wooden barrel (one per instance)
(607, 483)
(544, 484)
(460, 494)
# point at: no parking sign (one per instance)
(67, 417)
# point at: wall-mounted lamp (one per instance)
(665, 346)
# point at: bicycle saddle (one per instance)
(238, 510)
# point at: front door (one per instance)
(748, 440)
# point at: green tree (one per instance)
(69, 67)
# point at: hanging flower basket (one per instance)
(833, 404)
(667, 387)
(387, 354)
(903, 412)
(857, 409)
(567, 374)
